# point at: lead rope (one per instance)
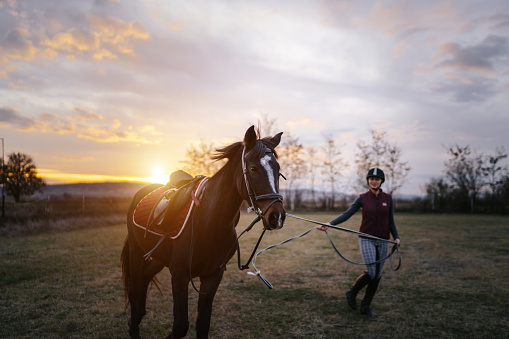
(257, 271)
(395, 248)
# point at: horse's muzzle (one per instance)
(274, 218)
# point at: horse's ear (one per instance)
(250, 138)
(276, 139)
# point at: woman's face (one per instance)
(374, 182)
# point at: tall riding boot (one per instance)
(368, 297)
(360, 282)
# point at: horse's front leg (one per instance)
(179, 285)
(208, 289)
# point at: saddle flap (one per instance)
(180, 200)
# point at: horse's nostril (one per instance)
(277, 220)
(273, 220)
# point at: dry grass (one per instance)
(453, 284)
(61, 213)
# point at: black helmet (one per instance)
(376, 172)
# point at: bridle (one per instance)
(253, 198)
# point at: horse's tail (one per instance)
(125, 262)
(126, 274)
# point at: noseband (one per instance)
(253, 198)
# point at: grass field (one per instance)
(453, 284)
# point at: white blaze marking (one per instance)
(265, 163)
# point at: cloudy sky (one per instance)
(104, 90)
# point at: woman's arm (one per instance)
(392, 225)
(348, 213)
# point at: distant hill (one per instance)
(104, 189)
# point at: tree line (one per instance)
(472, 182)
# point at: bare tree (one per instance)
(464, 170)
(21, 176)
(293, 166)
(380, 152)
(493, 171)
(312, 165)
(332, 164)
(198, 159)
(437, 192)
(267, 126)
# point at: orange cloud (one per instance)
(14, 46)
(84, 125)
(104, 39)
(87, 115)
(73, 41)
(104, 54)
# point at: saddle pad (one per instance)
(149, 210)
(143, 210)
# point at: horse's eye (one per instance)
(253, 168)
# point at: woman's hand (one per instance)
(323, 227)
(397, 241)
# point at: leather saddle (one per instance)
(167, 209)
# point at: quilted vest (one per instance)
(375, 214)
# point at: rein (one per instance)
(389, 256)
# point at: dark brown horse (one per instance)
(209, 239)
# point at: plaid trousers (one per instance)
(373, 250)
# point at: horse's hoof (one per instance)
(133, 333)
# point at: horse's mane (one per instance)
(228, 152)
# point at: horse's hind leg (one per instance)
(141, 274)
(150, 269)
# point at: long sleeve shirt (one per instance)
(377, 215)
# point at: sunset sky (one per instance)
(117, 90)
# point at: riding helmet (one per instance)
(376, 172)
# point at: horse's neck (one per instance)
(226, 198)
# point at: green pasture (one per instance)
(453, 283)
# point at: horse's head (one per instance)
(261, 178)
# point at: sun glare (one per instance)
(56, 177)
(158, 176)
(159, 179)
(157, 171)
